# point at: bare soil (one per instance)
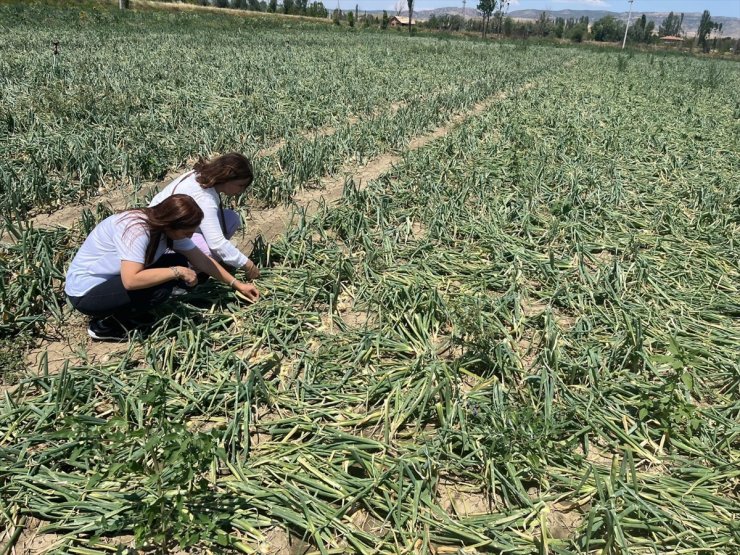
(34, 542)
(563, 519)
(461, 501)
(74, 347)
(31, 542)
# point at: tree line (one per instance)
(493, 19)
(607, 29)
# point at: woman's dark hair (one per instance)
(221, 169)
(175, 212)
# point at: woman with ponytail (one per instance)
(123, 268)
(230, 175)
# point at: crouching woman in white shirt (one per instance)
(122, 271)
(231, 175)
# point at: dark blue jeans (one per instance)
(111, 298)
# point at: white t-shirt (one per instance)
(210, 227)
(113, 240)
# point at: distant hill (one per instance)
(730, 25)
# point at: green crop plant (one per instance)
(521, 338)
(30, 278)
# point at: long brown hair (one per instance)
(174, 212)
(221, 169)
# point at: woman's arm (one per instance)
(135, 276)
(215, 270)
(212, 232)
(251, 269)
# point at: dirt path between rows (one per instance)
(268, 223)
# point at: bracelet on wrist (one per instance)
(232, 282)
(176, 272)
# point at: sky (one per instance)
(729, 8)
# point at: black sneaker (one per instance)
(139, 320)
(106, 329)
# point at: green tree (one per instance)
(336, 16)
(559, 28)
(288, 6)
(486, 7)
(578, 32)
(272, 6)
(608, 29)
(508, 26)
(642, 30)
(255, 5)
(544, 25)
(384, 21)
(498, 21)
(498, 16)
(351, 19)
(671, 26)
(705, 28)
(317, 9)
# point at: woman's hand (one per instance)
(251, 269)
(214, 269)
(187, 275)
(248, 290)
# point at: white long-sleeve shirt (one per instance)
(210, 227)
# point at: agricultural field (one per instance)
(503, 317)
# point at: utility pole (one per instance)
(624, 41)
(464, 2)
